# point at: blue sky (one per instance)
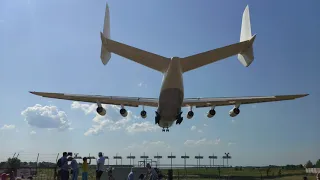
(54, 46)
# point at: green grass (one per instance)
(203, 173)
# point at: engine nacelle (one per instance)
(234, 112)
(190, 114)
(123, 112)
(143, 114)
(211, 113)
(101, 111)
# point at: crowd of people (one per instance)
(65, 169)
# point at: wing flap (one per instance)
(114, 100)
(226, 101)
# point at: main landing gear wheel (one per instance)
(179, 121)
(157, 118)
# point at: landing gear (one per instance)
(179, 118)
(157, 118)
(165, 129)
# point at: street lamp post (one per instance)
(145, 158)
(158, 159)
(185, 157)
(171, 157)
(226, 157)
(213, 157)
(198, 159)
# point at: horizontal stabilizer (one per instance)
(243, 49)
(145, 58)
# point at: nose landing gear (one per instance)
(165, 129)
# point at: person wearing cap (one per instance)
(100, 166)
(152, 172)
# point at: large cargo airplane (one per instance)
(171, 98)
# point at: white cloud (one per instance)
(86, 108)
(49, 117)
(205, 125)
(193, 128)
(200, 142)
(8, 127)
(114, 121)
(142, 84)
(142, 127)
(33, 132)
(231, 143)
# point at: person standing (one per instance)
(85, 168)
(152, 172)
(75, 169)
(100, 166)
(63, 165)
(130, 175)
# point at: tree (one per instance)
(318, 164)
(14, 163)
(309, 164)
(268, 171)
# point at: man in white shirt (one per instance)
(100, 166)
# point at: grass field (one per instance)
(208, 173)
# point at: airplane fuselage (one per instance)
(171, 94)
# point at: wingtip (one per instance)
(302, 95)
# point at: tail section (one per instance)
(151, 60)
(246, 57)
(105, 54)
(243, 49)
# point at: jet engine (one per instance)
(190, 114)
(234, 112)
(123, 112)
(211, 113)
(101, 111)
(143, 114)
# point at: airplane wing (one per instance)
(114, 100)
(226, 101)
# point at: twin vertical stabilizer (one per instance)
(105, 54)
(246, 57)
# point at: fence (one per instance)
(312, 170)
